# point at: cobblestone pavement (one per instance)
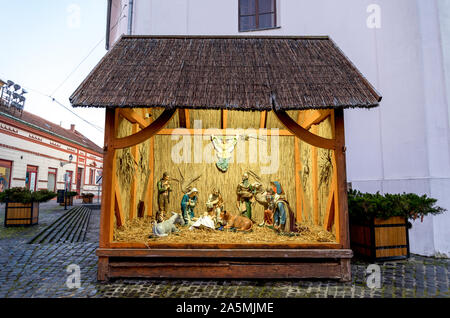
(35, 270)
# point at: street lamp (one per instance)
(62, 164)
(11, 97)
(66, 180)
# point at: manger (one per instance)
(224, 156)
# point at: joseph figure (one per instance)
(244, 193)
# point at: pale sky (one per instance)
(42, 42)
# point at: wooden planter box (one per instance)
(380, 240)
(21, 214)
(69, 201)
(87, 200)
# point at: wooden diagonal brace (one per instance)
(146, 133)
(302, 133)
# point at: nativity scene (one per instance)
(224, 155)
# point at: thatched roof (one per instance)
(239, 73)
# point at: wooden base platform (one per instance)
(224, 263)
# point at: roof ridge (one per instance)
(199, 36)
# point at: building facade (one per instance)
(402, 47)
(38, 154)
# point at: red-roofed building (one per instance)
(37, 154)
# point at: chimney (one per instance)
(72, 128)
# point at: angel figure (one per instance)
(224, 147)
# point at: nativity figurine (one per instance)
(167, 227)
(244, 193)
(240, 223)
(215, 205)
(164, 190)
(188, 203)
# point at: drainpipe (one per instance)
(130, 17)
(108, 24)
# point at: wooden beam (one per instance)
(315, 179)
(215, 131)
(140, 250)
(342, 226)
(302, 133)
(263, 120)
(133, 117)
(155, 246)
(118, 210)
(133, 188)
(109, 179)
(146, 133)
(315, 117)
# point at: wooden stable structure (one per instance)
(154, 88)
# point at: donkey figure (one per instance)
(168, 226)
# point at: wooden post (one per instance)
(315, 179)
(223, 118)
(183, 115)
(342, 226)
(108, 182)
(103, 268)
(151, 159)
(298, 181)
(263, 120)
(133, 189)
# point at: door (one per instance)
(31, 178)
(5, 174)
(68, 180)
(79, 180)
(51, 185)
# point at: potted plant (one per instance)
(87, 197)
(379, 223)
(69, 197)
(22, 205)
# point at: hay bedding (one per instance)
(139, 229)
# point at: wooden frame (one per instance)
(331, 260)
(21, 214)
(380, 240)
